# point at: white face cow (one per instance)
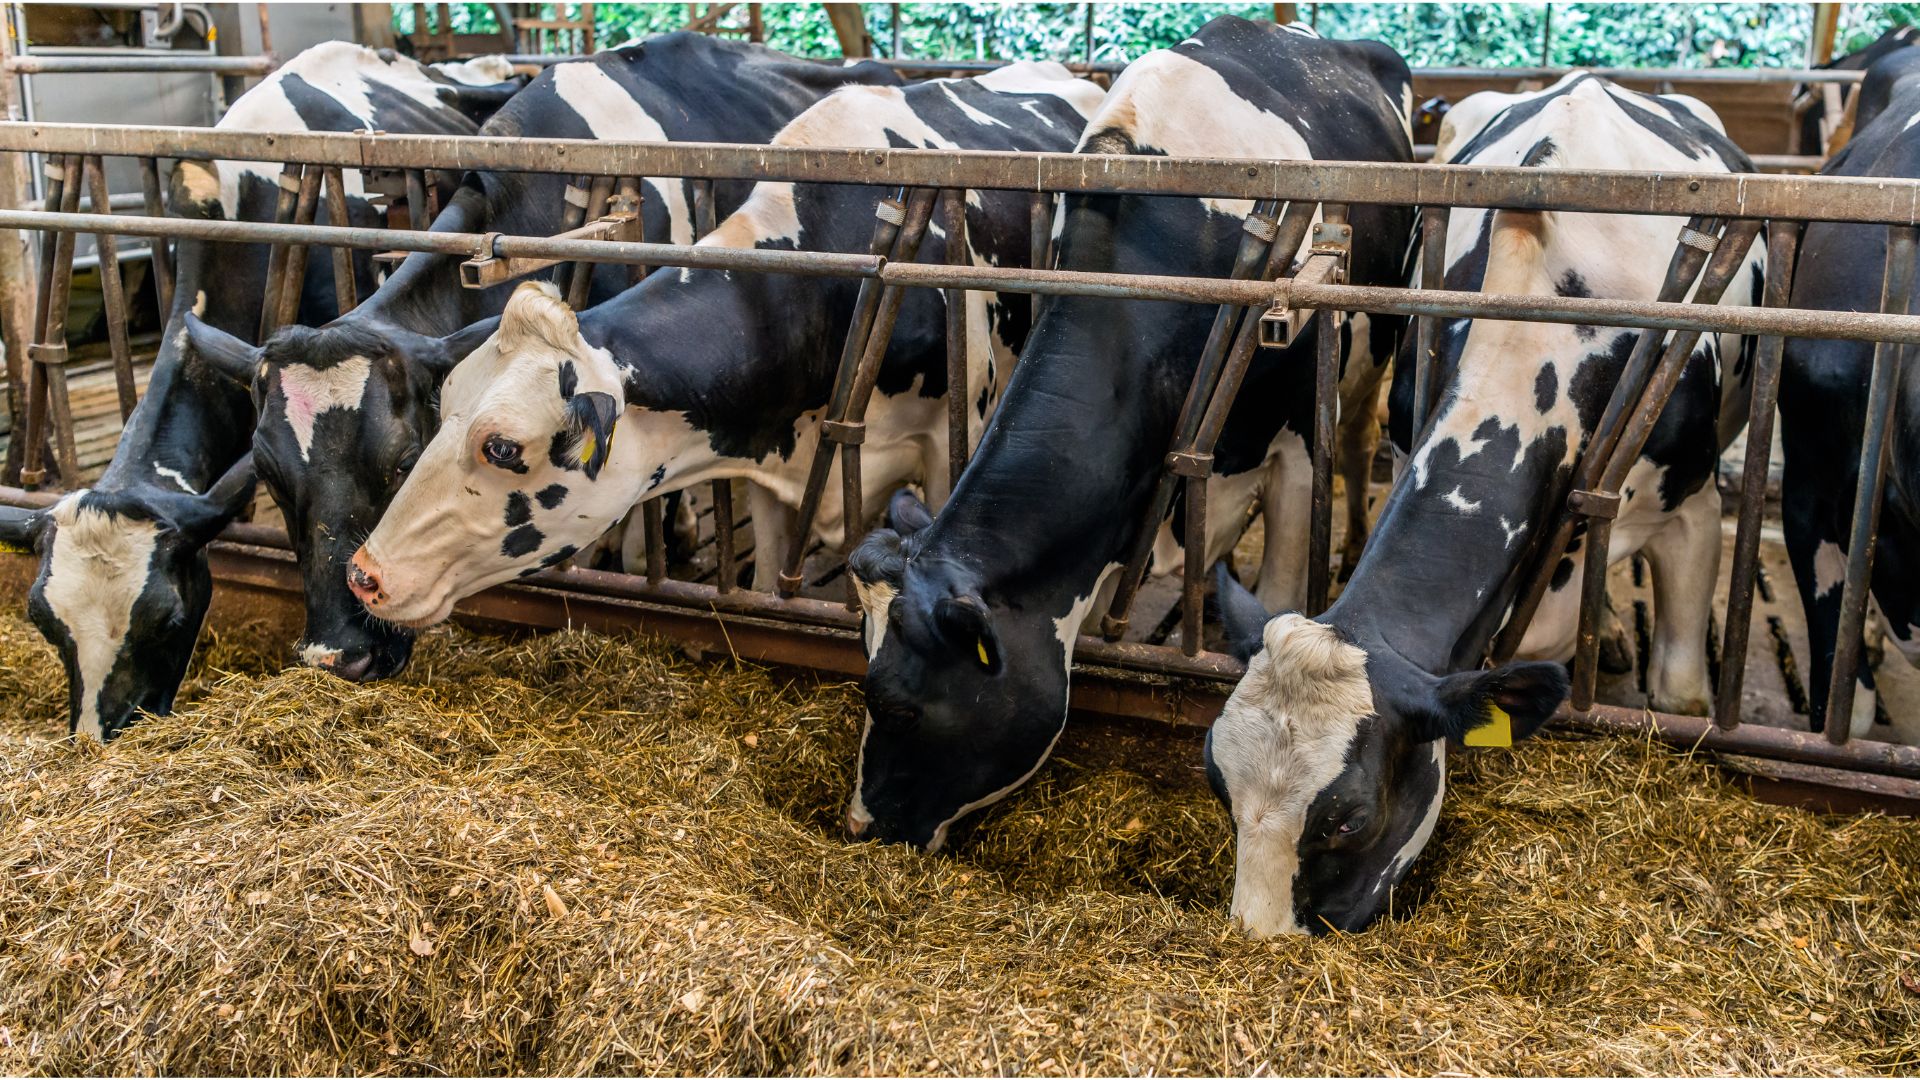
(514, 474)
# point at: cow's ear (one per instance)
(480, 102)
(906, 514)
(1239, 614)
(591, 416)
(457, 346)
(221, 351)
(1492, 708)
(203, 516)
(19, 528)
(967, 626)
(879, 560)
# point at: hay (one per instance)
(576, 854)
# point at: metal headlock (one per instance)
(1725, 212)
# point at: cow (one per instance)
(970, 618)
(707, 374)
(346, 409)
(123, 585)
(1823, 409)
(1811, 100)
(1330, 754)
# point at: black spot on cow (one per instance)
(1562, 574)
(569, 380)
(557, 556)
(1546, 387)
(659, 474)
(1572, 284)
(519, 509)
(521, 541)
(551, 496)
(1539, 154)
(560, 450)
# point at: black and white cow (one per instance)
(346, 409)
(706, 375)
(971, 618)
(1810, 100)
(1331, 753)
(1823, 409)
(123, 584)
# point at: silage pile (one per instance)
(576, 854)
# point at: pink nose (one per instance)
(364, 580)
(855, 827)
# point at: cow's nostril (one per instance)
(363, 581)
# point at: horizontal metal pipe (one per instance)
(147, 63)
(1767, 163)
(1780, 744)
(1080, 283)
(1504, 74)
(119, 200)
(1799, 198)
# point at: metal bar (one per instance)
(47, 387)
(1896, 289)
(1517, 74)
(155, 207)
(1808, 198)
(1326, 401)
(573, 214)
(346, 294)
(417, 215)
(580, 281)
(1783, 243)
(286, 201)
(633, 200)
(1039, 236)
(19, 262)
(1593, 599)
(703, 210)
(726, 574)
(146, 63)
(1193, 574)
(484, 272)
(1758, 740)
(954, 222)
(653, 517)
(113, 295)
(293, 286)
(1433, 275)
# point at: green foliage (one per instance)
(1472, 34)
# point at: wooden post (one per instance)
(850, 26)
(1826, 23)
(1286, 13)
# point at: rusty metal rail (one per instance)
(1267, 302)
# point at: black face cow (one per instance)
(971, 618)
(345, 410)
(711, 375)
(1823, 409)
(1331, 752)
(123, 584)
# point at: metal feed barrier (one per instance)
(1265, 301)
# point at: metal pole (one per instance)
(723, 542)
(1874, 445)
(294, 285)
(580, 285)
(19, 261)
(346, 294)
(954, 221)
(113, 292)
(286, 202)
(1433, 275)
(162, 258)
(1783, 242)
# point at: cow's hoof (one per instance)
(1616, 652)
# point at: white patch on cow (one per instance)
(479, 71)
(200, 303)
(611, 113)
(968, 111)
(1829, 568)
(1461, 503)
(876, 599)
(309, 391)
(766, 217)
(858, 815)
(1282, 738)
(940, 834)
(1513, 532)
(318, 656)
(176, 476)
(1045, 77)
(1033, 107)
(96, 572)
(1865, 708)
(1417, 843)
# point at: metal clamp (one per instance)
(890, 210)
(1190, 463)
(1261, 227)
(845, 432)
(1284, 322)
(1698, 240)
(49, 354)
(576, 196)
(1594, 504)
(289, 180)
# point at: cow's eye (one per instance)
(406, 464)
(500, 451)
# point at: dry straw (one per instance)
(576, 854)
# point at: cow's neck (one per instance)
(192, 423)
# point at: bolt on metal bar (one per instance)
(162, 259)
(1875, 444)
(1258, 238)
(953, 208)
(346, 294)
(1783, 245)
(113, 293)
(1433, 275)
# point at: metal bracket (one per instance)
(1594, 504)
(1332, 238)
(844, 432)
(486, 270)
(1283, 323)
(576, 196)
(891, 210)
(1190, 464)
(50, 354)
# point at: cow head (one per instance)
(964, 699)
(517, 477)
(344, 412)
(1331, 761)
(122, 590)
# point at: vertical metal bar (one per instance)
(573, 214)
(19, 259)
(1433, 275)
(1326, 403)
(633, 193)
(1040, 222)
(1783, 242)
(703, 211)
(1896, 292)
(162, 257)
(47, 387)
(580, 284)
(285, 206)
(346, 294)
(294, 286)
(417, 216)
(723, 546)
(652, 512)
(1193, 584)
(954, 221)
(113, 291)
(1593, 599)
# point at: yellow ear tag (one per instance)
(1497, 731)
(9, 548)
(586, 448)
(980, 645)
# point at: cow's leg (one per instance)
(773, 525)
(1286, 507)
(1616, 645)
(1359, 436)
(1814, 528)
(1684, 555)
